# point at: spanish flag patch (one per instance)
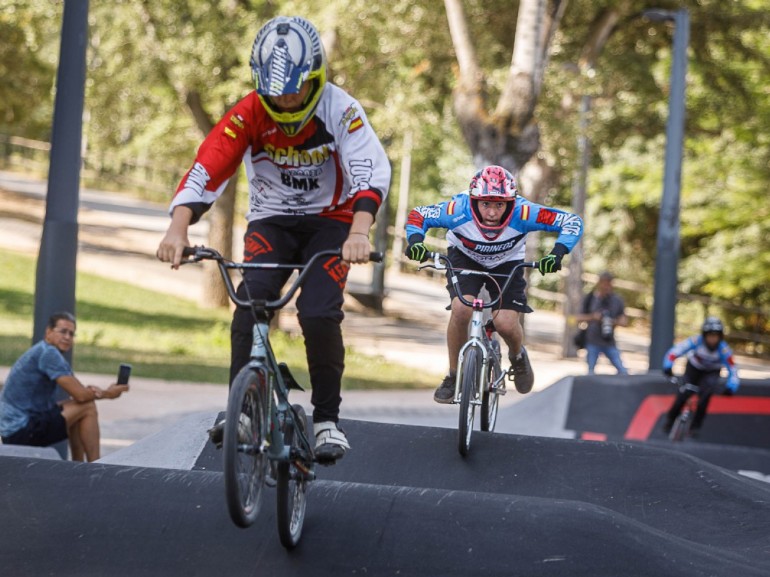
(237, 120)
(525, 212)
(230, 132)
(450, 208)
(355, 124)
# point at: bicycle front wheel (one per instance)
(244, 445)
(680, 427)
(489, 398)
(292, 483)
(470, 379)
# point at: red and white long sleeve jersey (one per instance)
(334, 166)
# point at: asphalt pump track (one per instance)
(404, 502)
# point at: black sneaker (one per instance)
(521, 372)
(445, 393)
(217, 433)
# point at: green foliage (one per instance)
(28, 56)
(147, 60)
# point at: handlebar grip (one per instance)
(189, 251)
(376, 256)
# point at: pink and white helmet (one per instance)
(493, 184)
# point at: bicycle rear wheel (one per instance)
(490, 399)
(470, 379)
(245, 439)
(291, 485)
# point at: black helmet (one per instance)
(713, 325)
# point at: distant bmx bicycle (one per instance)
(683, 422)
(264, 434)
(480, 378)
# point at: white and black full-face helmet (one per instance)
(288, 52)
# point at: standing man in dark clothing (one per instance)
(603, 310)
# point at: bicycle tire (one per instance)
(680, 427)
(489, 399)
(291, 486)
(245, 436)
(469, 385)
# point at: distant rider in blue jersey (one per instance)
(487, 226)
(706, 354)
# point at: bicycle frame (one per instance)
(279, 409)
(477, 337)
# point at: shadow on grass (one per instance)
(131, 318)
(20, 304)
(16, 303)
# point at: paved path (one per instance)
(118, 237)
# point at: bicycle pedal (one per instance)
(326, 461)
(328, 458)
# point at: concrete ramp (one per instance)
(403, 502)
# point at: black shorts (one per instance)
(42, 430)
(515, 297)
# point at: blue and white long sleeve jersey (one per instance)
(455, 216)
(704, 359)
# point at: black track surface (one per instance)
(402, 502)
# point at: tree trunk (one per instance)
(221, 238)
(508, 136)
(220, 216)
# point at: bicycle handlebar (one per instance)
(199, 253)
(679, 382)
(442, 262)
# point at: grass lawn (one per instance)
(162, 336)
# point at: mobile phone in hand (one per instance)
(123, 373)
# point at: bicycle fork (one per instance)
(475, 339)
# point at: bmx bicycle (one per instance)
(264, 434)
(680, 428)
(480, 378)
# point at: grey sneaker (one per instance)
(445, 393)
(521, 372)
